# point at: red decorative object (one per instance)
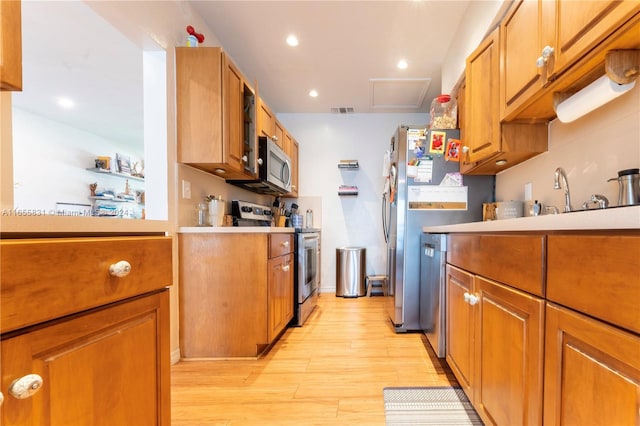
(193, 32)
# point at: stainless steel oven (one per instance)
(307, 274)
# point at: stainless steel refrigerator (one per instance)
(422, 188)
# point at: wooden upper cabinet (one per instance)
(521, 46)
(211, 96)
(580, 26)
(279, 133)
(482, 121)
(10, 46)
(266, 120)
(548, 46)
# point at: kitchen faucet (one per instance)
(561, 178)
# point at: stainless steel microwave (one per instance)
(274, 170)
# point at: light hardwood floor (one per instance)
(331, 371)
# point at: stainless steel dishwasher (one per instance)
(433, 258)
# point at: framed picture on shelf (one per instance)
(103, 163)
(123, 164)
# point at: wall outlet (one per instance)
(186, 189)
(528, 191)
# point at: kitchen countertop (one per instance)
(607, 219)
(234, 230)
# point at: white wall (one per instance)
(39, 163)
(591, 150)
(324, 140)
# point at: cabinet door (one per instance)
(280, 294)
(521, 41)
(509, 351)
(482, 119)
(582, 25)
(10, 45)
(460, 327)
(592, 371)
(266, 120)
(109, 366)
(233, 94)
(278, 133)
(295, 152)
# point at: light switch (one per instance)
(186, 189)
(528, 191)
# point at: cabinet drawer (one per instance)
(280, 244)
(596, 275)
(515, 260)
(43, 279)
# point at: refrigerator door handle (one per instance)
(385, 227)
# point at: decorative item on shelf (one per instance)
(347, 190)
(348, 164)
(103, 163)
(93, 188)
(138, 169)
(123, 164)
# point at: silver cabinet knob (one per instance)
(286, 267)
(120, 269)
(274, 138)
(285, 244)
(260, 161)
(547, 52)
(465, 149)
(245, 158)
(25, 386)
(1, 398)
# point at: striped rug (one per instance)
(428, 406)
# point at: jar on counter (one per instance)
(444, 112)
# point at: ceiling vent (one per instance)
(342, 110)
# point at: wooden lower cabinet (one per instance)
(495, 347)
(236, 292)
(106, 366)
(592, 371)
(280, 310)
(508, 355)
(460, 327)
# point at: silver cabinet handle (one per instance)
(542, 60)
(274, 138)
(470, 298)
(120, 269)
(245, 158)
(286, 267)
(465, 149)
(285, 244)
(1, 398)
(260, 161)
(25, 386)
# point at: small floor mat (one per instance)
(428, 406)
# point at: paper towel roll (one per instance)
(598, 93)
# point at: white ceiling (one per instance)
(348, 50)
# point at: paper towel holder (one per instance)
(622, 68)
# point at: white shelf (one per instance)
(110, 173)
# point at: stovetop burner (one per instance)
(250, 214)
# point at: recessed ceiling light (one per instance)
(403, 64)
(313, 93)
(65, 103)
(292, 40)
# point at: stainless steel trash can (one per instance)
(350, 271)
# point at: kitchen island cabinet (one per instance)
(90, 318)
(236, 292)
